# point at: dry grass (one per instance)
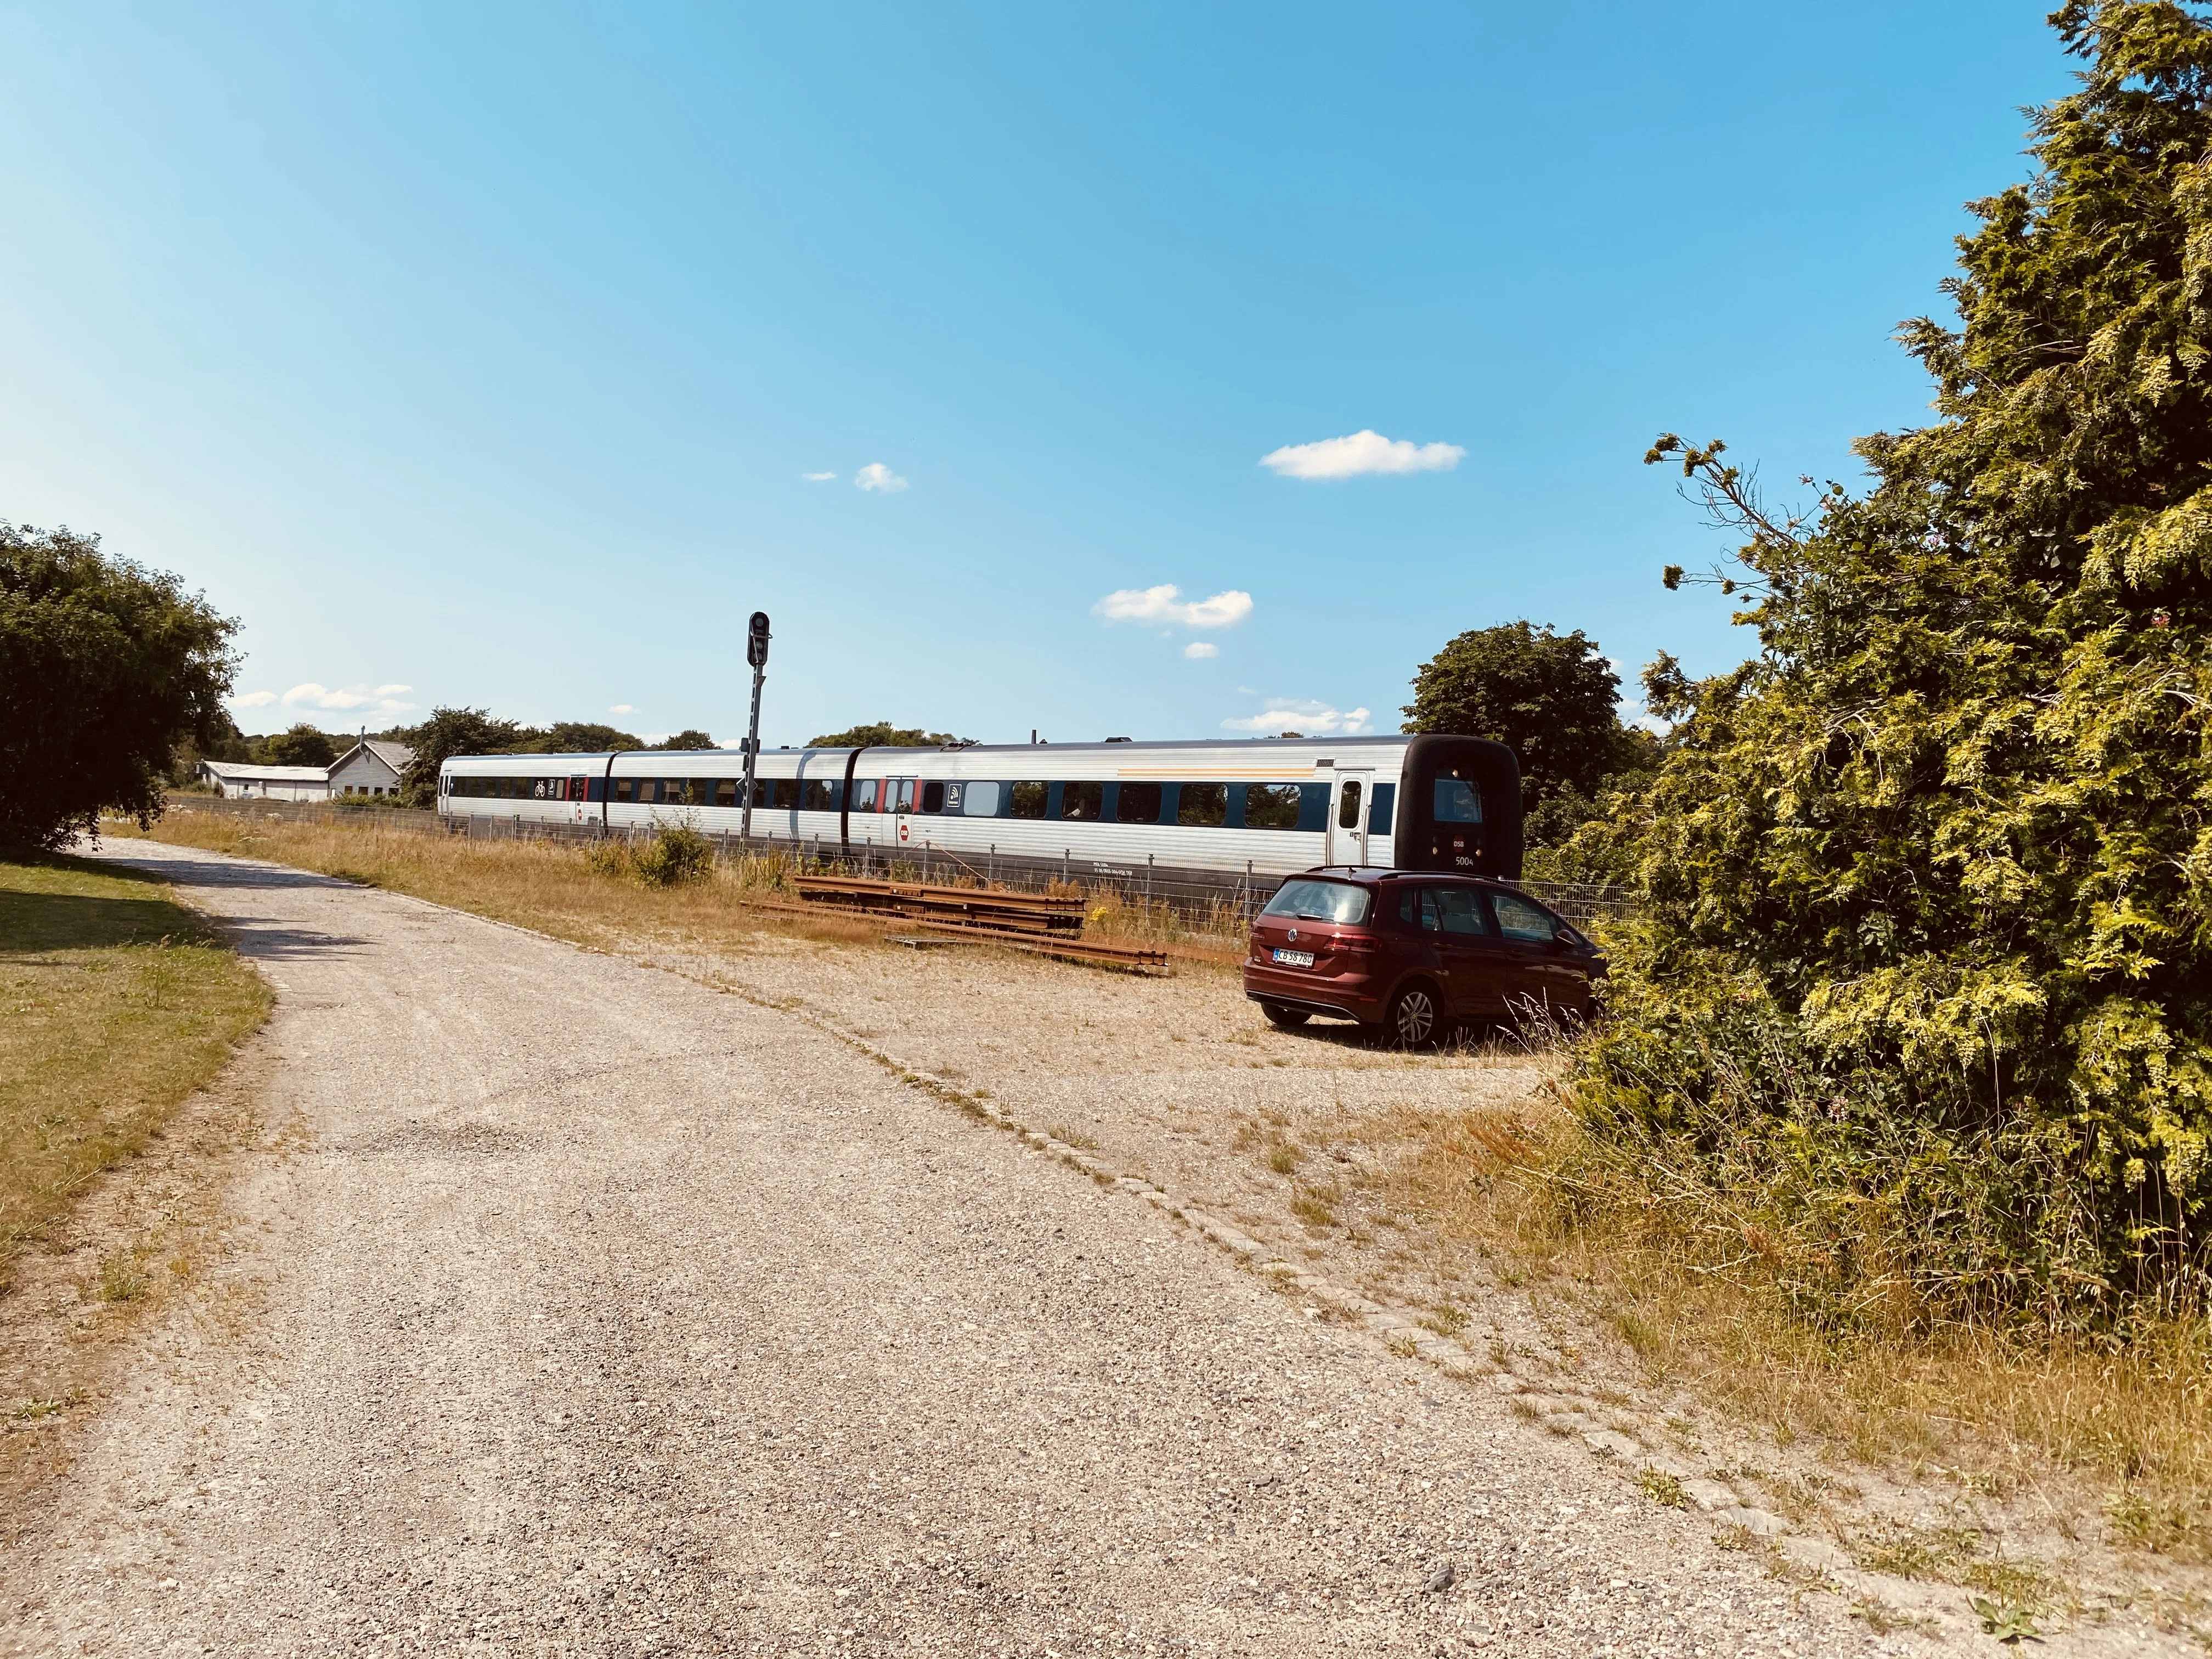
(2129, 1425)
(546, 885)
(116, 1004)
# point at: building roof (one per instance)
(397, 755)
(239, 772)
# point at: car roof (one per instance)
(1371, 873)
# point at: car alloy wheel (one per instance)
(1413, 1020)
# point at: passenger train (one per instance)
(1267, 807)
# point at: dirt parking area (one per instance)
(1179, 1081)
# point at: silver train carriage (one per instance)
(1263, 807)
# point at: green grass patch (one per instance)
(116, 1004)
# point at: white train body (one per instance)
(1270, 807)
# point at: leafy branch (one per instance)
(1731, 501)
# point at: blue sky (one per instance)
(481, 355)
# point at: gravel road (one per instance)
(603, 1314)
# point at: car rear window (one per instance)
(1320, 900)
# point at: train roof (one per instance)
(1118, 747)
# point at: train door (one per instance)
(900, 793)
(579, 789)
(1347, 817)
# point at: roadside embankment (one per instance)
(118, 1006)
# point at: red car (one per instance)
(1412, 954)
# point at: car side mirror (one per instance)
(1565, 938)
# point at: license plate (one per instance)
(1295, 959)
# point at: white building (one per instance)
(371, 767)
(236, 778)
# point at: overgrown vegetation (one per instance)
(676, 855)
(1916, 1020)
(115, 1004)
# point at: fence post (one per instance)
(1148, 885)
(991, 866)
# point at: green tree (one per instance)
(688, 739)
(106, 668)
(575, 738)
(1927, 958)
(448, 732)
(1550, 698)
(882, 734)
(300, 745)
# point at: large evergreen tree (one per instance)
(1927, 962)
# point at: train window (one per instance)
(980, 800)
(625, 789)
(1457, 802)
(1206, 804)
(1378, 810)
(700, 792)
(1271, 806)
(865, 793)
(818, 796)
(1029, 800)
(1140, 804)
(1082, 801)
(1347, 805)
(726, 792)
(902, 798)
(932, 796)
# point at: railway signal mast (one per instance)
(756, 653)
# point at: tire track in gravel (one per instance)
(606, 1314)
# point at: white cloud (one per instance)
(1165, 603)
(1200, 650)
(349, 700)
(254, 700)
(1316, 720)
(878, 477)
(620, 709)
(1362, 452)
(818, 478)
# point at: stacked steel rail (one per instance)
(1048, 924)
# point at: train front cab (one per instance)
(1460, 808)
